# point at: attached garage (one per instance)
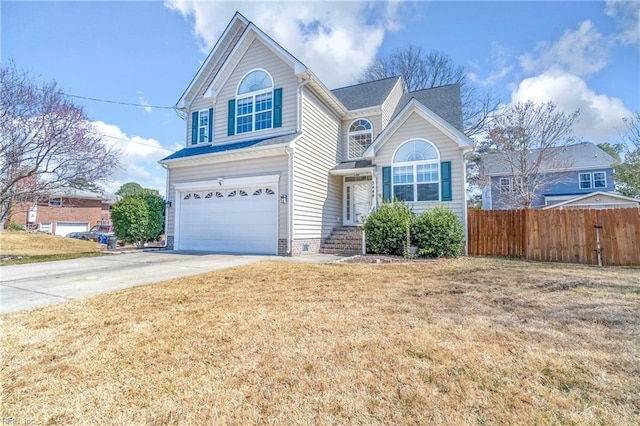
(64, 228)
(232, 216)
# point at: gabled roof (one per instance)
(70, 192)
(365, 95)
(620, 199)
(443, 100)
(214, 149)
(581, 156)
(463, 141)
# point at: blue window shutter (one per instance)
(386, 183)
(277, 108)
(210, 124)
(194, 128)
(231, 121)
(445, 168)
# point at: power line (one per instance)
(119, 103)
(138, 143)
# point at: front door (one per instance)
(357, 200)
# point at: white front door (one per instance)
(357, 201)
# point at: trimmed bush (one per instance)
(14, 226)
(438, 233)
(386, 229)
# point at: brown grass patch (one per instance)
(19, 243)
(466, 341)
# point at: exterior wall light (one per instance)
(283, 198)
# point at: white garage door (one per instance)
(233, 220)
(63, 228)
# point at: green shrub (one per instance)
(386, 229)
(130, 218)
(14, 226)
(438, 233)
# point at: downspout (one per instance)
(166, 209)
(290, 151)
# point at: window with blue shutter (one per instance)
(445, 171)
(210, 124)
(386, 183)
(231, 121)
(194, 128)
(277, 108)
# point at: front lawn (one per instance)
(465, 341)
(28, 247)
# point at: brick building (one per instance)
(65, 211)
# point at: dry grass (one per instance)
(467, 341)
(19, 243)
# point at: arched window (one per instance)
(360, 137)
(416, 171)
(254, 102)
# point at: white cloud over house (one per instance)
(138, 156)
(600, 115)
(337, 40)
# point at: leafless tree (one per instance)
(424, 70)
(525, 141)
(46, 142)
(628, 171)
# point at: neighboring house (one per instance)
(565, 173)
(65, 211)
(274, 161)
(597, 200)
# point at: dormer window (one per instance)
(254, 102)
(360, 137)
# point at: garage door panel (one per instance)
(64, 228)
(241, 220)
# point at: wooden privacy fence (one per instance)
(562, 235)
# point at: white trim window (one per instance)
(505, 185)
(599, 180)
(416, 171)
(588, 180)
(254, 102)
(203, 126)
(55, 202)
(360, 137)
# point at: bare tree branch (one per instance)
(46, 141)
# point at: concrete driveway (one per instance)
(39, 284)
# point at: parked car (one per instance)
(94, 234)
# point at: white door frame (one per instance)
(349, 216)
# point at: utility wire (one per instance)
(119, 103)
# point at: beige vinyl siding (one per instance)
(376, 122)
(208, 74)
(417, 127)
(390, 104)
(317, 206)
(233, 169)
(257, 56)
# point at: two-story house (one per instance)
(564, 173)
(274, 160)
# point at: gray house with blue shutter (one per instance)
(274, 161)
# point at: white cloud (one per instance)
(139, 158)
(337, 40)
(144, 102)
(627, 13)
(500, 64)
(581, 52)
(600, 115)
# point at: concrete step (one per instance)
(340, 251)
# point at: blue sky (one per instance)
(580, 54)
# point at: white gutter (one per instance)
(166, 209)
(289, 151)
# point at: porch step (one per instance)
(343, 240)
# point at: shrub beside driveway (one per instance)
(462, 341)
